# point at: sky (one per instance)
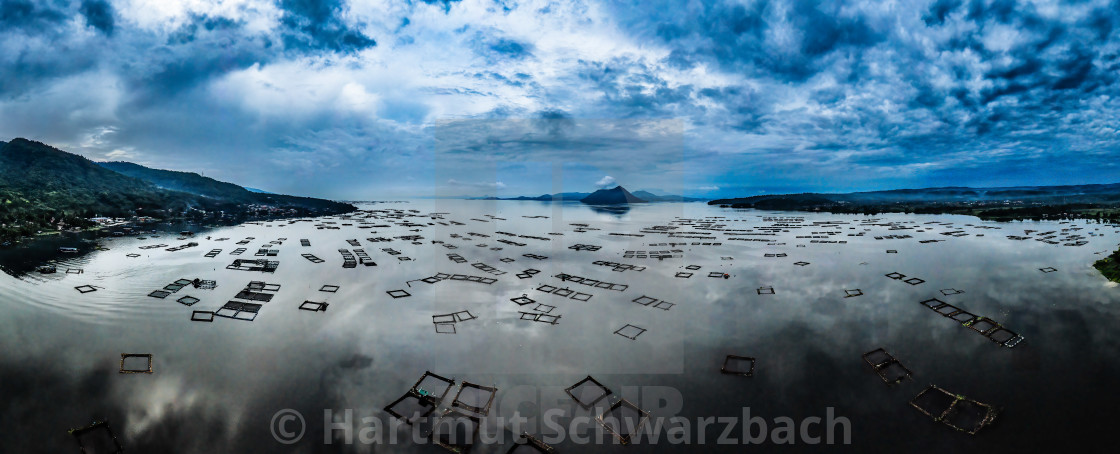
(362, 100)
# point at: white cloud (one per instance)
(708, 188)
(118, 154)
(605, 181)
(479, 185)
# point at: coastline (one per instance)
(1109, 267)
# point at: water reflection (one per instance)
(614, 210)
(216, 385)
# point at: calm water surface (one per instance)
(216, 386)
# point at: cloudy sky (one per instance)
(367, 99)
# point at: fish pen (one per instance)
(488, 269)
(411, 408)
(889, 369)
(528, 273)
(329, 288)
(348, 260)
(592, 282)
(630, 331)
(313, 306)
(432, 386)
(202, 316)
(529, 444)
(619, 266)
(136, 363)
(250, 295)
(445, 323)
(588, 392)
(85, 288)
(623, 419)
(456, 431)
(399, 293)
(852, 293)
(738, 365)
(538, 317)
(239, 311)
(467, 278)
(653, 302)
(522, 300)
(363, 258)
(983, 325)
(954, 410)
(312, 258)
(261, 265)
(188, 300)
(97, 438)
(475, 398)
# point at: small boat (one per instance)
(46, 269)
(68, 250)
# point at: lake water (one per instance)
(217, 387)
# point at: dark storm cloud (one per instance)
(445, 4)
(316, 25)
(738, 37)
(98, 14)
(511, 48)
(28, 16)
(939, 9)
(874, 93)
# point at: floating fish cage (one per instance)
(954, 410)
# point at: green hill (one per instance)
(196, 184)
(188, 182)
(41, 187)
(1110, 266)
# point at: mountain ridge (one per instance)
(576, 196)
(45, 188)
(617, 195)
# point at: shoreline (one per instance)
(1109, 267)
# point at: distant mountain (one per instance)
(614, 196)
(194, 183)
(645, 196)
(560, 196)
(651, 197)
(41, 187)
(40, 184)
(1089, 193)
(183, 181)
(1096, 201)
